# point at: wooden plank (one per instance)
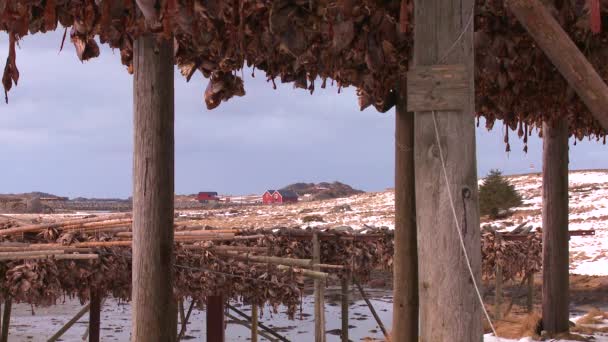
(437, 87)
(555, 291)
(319, 292)
(405, 267)
(215, 319)
(449, 307)
(564, 54)
(153, 190)
(94, 316)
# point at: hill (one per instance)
(323, 190)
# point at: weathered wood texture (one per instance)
(405, 267)
(215, 319)
(153, 189)
(70, 323)
(319, 292)
(449, 308)
(94, 316)
(437, 87)
(564, 54)
(555, 228)
(345, 302)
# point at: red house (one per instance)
(267, 197)
(206, 196)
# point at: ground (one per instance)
(589, 255)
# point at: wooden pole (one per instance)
(498, 289)
(95, 316)
(530, 292)
(260, 324)
(254, 322)
(319, 292)
(564, 54)
(345, 304)
(185, 320)
(69, 324)
(373, 311)
(6, 318)
(153, 190)
(405, 267)
(449, 307)
(215, 319)
(555, 228)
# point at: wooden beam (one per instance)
(70, 323)
(555, 299)
(153, 190)
(449, 307)
(498, 297)
(94, 316)
(565, 55)
(437, 87)
(319, 292)
(215, 319)
(405, 267)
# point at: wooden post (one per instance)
(498, 289)
(319, 292)
(254, 322)
(530, 293)
(405, 268)
(564, 54)
(153, 190)
(6, 318)
(345, 304)
(94, 316)
(555, 228)
(449, 307)
(185, 320)
(215, 319)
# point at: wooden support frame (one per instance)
(153, 191)
(565, 55)
(449, 307)
(498, 294)
(6, 318)
(437, 87)
(405, 267)
(556, 272)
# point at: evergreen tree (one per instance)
(497, 194)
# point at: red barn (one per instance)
(267, 197)
(285, 196)
(206, 196)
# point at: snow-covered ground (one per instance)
(588, 210)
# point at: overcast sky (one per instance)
(67, 130)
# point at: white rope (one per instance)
(464, 250)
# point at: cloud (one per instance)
(68, 130)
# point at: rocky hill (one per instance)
(323, 190)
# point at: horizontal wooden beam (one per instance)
(565, 55)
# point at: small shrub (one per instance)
(497, 194)
(312, 218)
